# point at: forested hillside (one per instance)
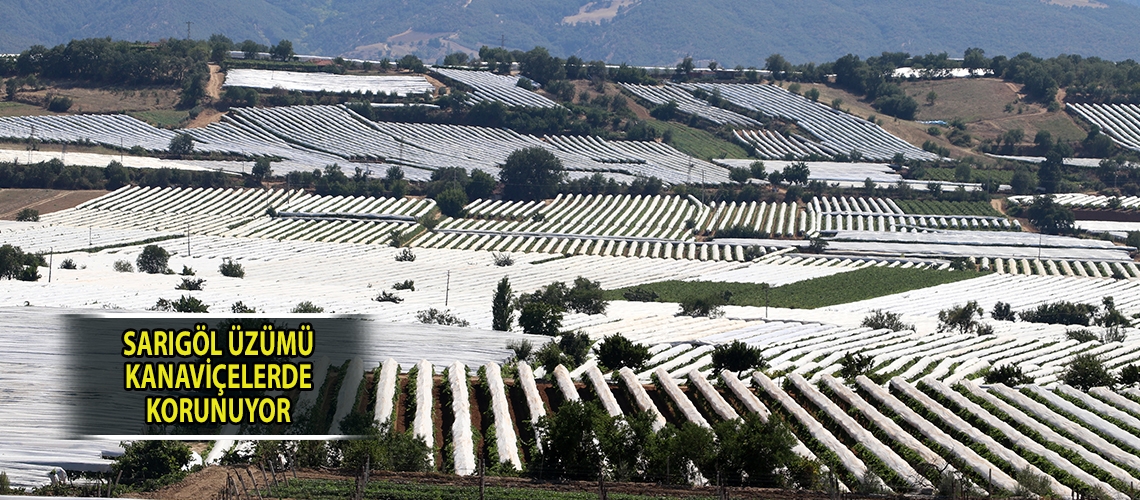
(731, 32)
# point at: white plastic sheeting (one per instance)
(716, 401)
(1095, 421)
(859, 434)
(566, 384)
(959, 425)
(979, 465)
(666, 383)
(754, 405)
(1048, 433)
(309, 398)
(817, 430)
(505, 440)
(1116, 399)
(346, 397)
(602, 389)
(640, 397)
(422, 425)
(1022, 441)
(386, 390)
(533, 399)
(1099, 406)
(461, 438)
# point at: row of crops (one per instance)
(400, 85)
(772, 145)
(1120, 121)
(1084, 200)
(686, 103)
(882, 214)
(489, 86)
(940, 207)
(838, 132)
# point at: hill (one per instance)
(636, 31)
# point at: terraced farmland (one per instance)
(686, 103)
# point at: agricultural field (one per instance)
(1119, 121)
(400, 85)
(976, 175)
(936, 207)
(488, 86)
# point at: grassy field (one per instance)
(321, 489)
(976, 175)
(862, 284)
(9, 108)
(699, 143)
(162, 118)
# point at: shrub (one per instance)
(1010, 375)
(28, 215)
(123, 266)
(1130, 375)
(231, 269)
(59, 104)
(1061, 313)
(616, 351)
(640, 294)
(540, 318)
(181, 144)
(502, 315)
(739, 174)
(185, 304)
(709, 307)
(1003, 312)
(586, 297)
(880, 319)
(306, 307)
(502, 259)
(575, 347)
(190, 284)
(405, 255)
(387, 296)
(408, 285)
(853, 365)
(521, 349)
(240, 308)
(434, 316)
(67, 264)
(736, 357)
(153, 259)
(152, 461)
(960, 318)
(187, 271)
(1086, 371)
(1081, 335)
(451, 201)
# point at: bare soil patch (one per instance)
(214, 86)
(44, 200)
(107, 100)
(206, 117)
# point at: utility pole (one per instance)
(447, 290)
(188, 239)
(502, 41)
(51, 258)
(188, 23)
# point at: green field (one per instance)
(976, 175)
(161, 118)
(320, 489)
(699, 143)
(861, 284)
(934, 207)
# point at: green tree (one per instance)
(540, 318)
(11, 86)
(262, 168)
(570, 447)
(1049, 216)
(153, 259)
(797, 173)
(961, 318)
(1023, 181)
(28, 215)
(736, 357)
(1049, 173)
(451, 201)
(586, 297)
(931, 97)
(283, 51)
(181, 144)
(752, 452)
(739, 174)
(616, 351)
(1086, 371)
(531, 174)
(481, 186)
(149, 462)
(502, 315)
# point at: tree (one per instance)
(797, 173)
(181, 144)
(1002, 312)
(757, 170)
(11, 86)
(854, 364)
(585, 297)
(451, 201)
(777, 65)
(1049, 173)
(931, 97)
(283, 51)
(1086, 371)
(231, 269)
(250, 49)
(1007, 375)
(1060, 313)
(151, 460)
(262, 168)
(975, 58)
(813, 94)
(616, 351)
(880, 319)
(531, 174)
(960, 318)
(962, 172)
(1043, 140)
(501, 312)
(411, 63)
(1049, 216)
(540, 318)
(153, 260)
(736, 357)
(481, 186)
(569, 441)
(739, 174)
(28, 215)
(1023, 181)
(456, 59)
(752, 452)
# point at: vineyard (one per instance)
(687, 104)
(1079, 200)
(1120, 121)
(487, 86)
(938, 207)
(397, 85)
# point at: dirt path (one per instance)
(214, 87)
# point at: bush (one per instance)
(153, 259)
(1081, 335)
(522, 349)
(123, 266)
(231, 269)
(709, 307)
(181, 144)
(640, 294)
(434, 316)
(960, 318)
(1060, 313)
(1003, 312)
(540, 318)
(59, 104)
(306, 307)
(853, 365)
(406, 255)
(739, 174)
(451, 201)
(185, 304)
(880, 319)
(67, 264)
(187, 271)
(28, 215)
(1010, 375)
(503, 259)
(387, 296)
(151, 462)
(616, 351)
(502, 314)
(190, 284)
(1086, 371)
(736, 357)
(240, 308)
(586, 297)
(1130, 375)
(408, 285)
